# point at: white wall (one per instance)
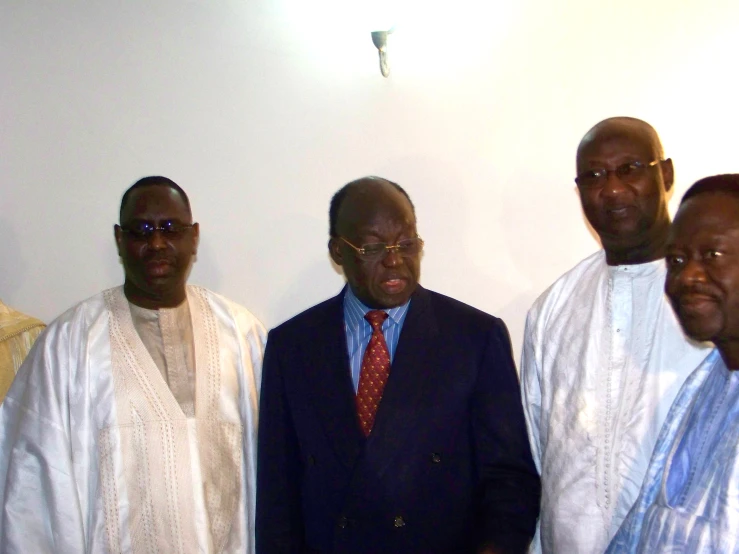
(262, 109)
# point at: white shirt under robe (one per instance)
(603, 358)
(97, 455)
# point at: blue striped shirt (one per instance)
(358, 331)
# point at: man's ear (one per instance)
(118, 233)
(335, 251)
(668, 174)
(195, 238)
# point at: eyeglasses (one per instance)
(378, 250)
(144, 230)
(628, 173)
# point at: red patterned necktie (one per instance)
(374, 374)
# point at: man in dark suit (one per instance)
(377, 441)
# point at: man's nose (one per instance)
(614, 185)
(393, 257)
(157, 241)
(692, 272)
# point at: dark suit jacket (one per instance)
(447, 466)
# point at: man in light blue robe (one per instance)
(689, 502)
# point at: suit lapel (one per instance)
(410, 375)
(328, 377)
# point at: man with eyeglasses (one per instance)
(603, 354)
(390, 418)
(131, 427)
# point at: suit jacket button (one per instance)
(435, 458)
(399, 521)
(342, 522)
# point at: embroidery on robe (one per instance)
(221, 454)
(153, 448)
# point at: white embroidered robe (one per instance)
(603, 359)
(96, 454)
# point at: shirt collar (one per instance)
(637, 270)
(355, 310)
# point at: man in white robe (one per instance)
(131, 427)
(690, 499)
(603, 354)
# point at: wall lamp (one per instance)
(379, 39)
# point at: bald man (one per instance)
(390, 419)
(604, 355)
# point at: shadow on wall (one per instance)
(205, 261)
(542, 251)
(457, 259)
(318, 276)
(305, 274)
(114, 271)
(483, 261)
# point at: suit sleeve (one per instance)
(279, 520)
(41, 509)
(509, 481)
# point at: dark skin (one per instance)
(156, 268)
(703, 271)
(375, 211)
(630, 218)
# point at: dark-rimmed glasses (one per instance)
(628, 173)
(378, 250)
(144, 230)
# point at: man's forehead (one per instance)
(619, 134)
(710, 207)
(159, 198)
(381, 220)
(710, 216)
(616, 138)
(367, 204)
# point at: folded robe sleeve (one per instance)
(39, 497)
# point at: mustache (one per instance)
(616, 206)
(157, 257)
(695, 290)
